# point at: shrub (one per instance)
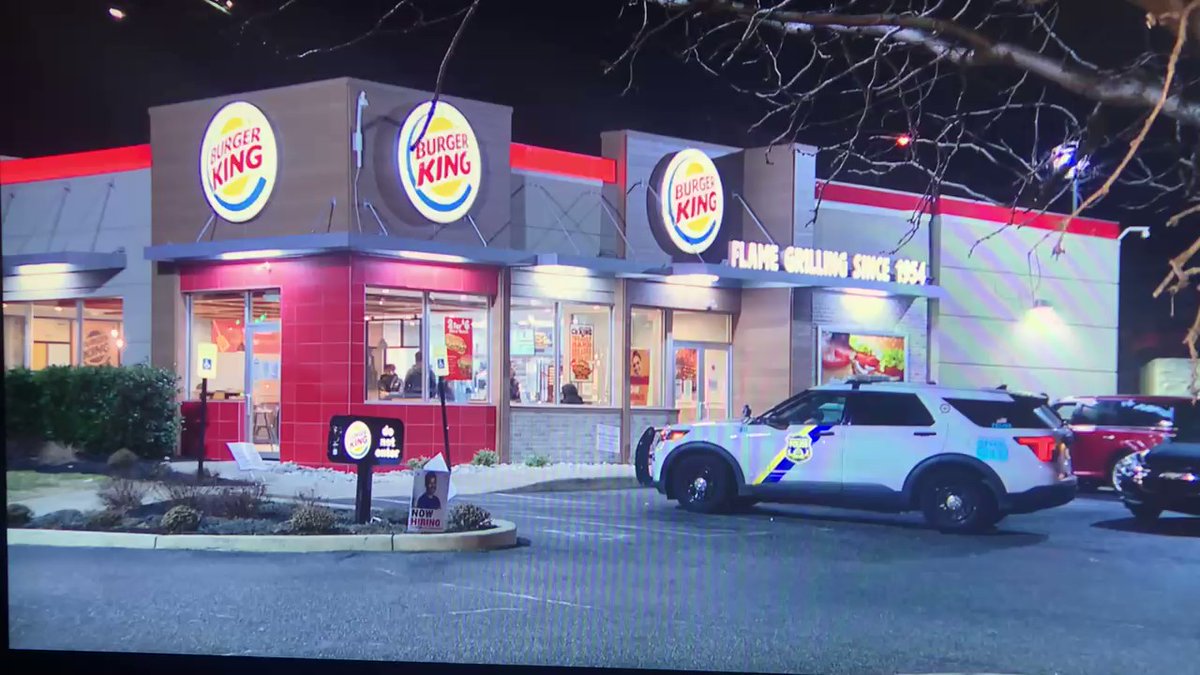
(19, 515)
(537, 460)
(104, 520)
(66, 519)
(468, 518)
(122, 494)
(186, 493)
(238, 501)
(485, 458)
(181, 519)
(122, 460)
(99, 409)
(310, 519)
(417, 463)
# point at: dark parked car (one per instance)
(1106, 429)
(1165, 478)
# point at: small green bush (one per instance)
(417, 463)
(122, 494)
(181, 519)
(98, 409)
(485, 457)
(19, 515)
(468, 518)
(537, 460)
(104, 520)
(122, 460)
(310, 519)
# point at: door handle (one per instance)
(826, 433)
(1109, 437)
(924, 433)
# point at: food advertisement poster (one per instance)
(583, 346)
(846, 354)
(639, 376)
(459, 348)
(100, 343)
(230, 336)
(686, 363)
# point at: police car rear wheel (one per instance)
(957, 502)
(702, 484)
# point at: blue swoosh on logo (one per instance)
(245, 203)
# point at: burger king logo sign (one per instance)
(441, 173)
(357, 440)
(692, 200)
(238, 162)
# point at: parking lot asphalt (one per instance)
(625, 578)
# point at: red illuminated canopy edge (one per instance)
(74, 165)
(963, 208)
(545, 160)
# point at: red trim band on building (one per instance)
(574, 165)
(75, 165)
(963, 208)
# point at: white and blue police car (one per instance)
(966, 458)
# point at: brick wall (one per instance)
(640, 419)
(561, 434)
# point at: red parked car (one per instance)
(1108, 428)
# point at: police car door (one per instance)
(800, 447)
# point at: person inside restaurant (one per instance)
(570, 395)
(389, 382)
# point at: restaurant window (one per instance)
(532, 350)
(700, 327)
(404, 327)
(219, 318)
(15, 323)
(561, 353)
(63, 333)
(646, 357)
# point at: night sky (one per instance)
(78, 80)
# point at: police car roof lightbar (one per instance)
(856, 381)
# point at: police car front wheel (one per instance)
(702, 483)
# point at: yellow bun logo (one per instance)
(357, 440)
(442, 172)
(692, 201)
(238, 162)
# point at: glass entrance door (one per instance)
(701, 381)
(263, 386)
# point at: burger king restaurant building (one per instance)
(328, 237)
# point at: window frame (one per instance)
(428, 395)
(557, 364)
(857, 398)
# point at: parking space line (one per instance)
(522, 596)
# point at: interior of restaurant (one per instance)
(50, 329)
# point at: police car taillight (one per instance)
(1042, 446)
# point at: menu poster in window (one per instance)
(459, 348)
(583, 347)
(99, 343)
(845, 354)
(542, 342)
(639, 376)
(228, 335)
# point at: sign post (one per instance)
(365, 442)
(206, 367)
(441, 368)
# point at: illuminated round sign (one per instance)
(692, 201)
(238, 162)
(357, 440)
(442, 172)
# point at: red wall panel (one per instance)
(322, 354)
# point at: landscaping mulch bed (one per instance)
(144, 470)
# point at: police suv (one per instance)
(964, 457)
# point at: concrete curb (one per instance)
(580, 484)
(503, 535)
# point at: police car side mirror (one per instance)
(746, 413)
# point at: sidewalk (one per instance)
(289, 480)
